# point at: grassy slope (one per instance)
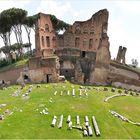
(31, 124)
(14, 65)
(137, 70)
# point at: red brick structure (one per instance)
(81, 54)
(77, 49)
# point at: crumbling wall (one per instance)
(11, 75)
(100, 73)
(45, 37)
(121, 55)
(118, 74)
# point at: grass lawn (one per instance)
(26, 122)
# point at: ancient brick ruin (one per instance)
(82, 51)
(121, 55)
(81, 54)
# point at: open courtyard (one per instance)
(27, 113)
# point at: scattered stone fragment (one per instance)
(90, 133)
(86, 119)
(55, 93)
(126, 91)
(68, 92)
(73, 92)
(60, 122)
(3, 105)
(85, 133)
(77, 127)
(68, 119)
(1, 117)
(86, 94)
(119, 91)
(116, 95)
(86, 124)
(70, 125)
(54, 121)
(77, 120)
(61, 93)
(97, 131)
(123, 118)
(81, 87)
(105, 89)
(113, 90)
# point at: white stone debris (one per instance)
(86, 119)
(85, 133)
(55, 93)
(60, 122)
(86, 124)
(116, 95)
(123, 118)
(54, 121)
(44, 111)
(1, 117)
(50, 100)
(70, 125)
(90, 133)
(77, 120)
(16, 93)
(77, 127)
(86, 94)
(61, 93)
(73, 92)
(27, 92)
(82, 87)
(3, 105)
(68, 92)
(7, 112)
(68, 119)
(95, 125)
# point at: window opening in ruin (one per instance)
(46, 27)
(42, 40)
(48, 78)
(77, 42)
(47, 41)
(85, 43)
(25, 77)
(3, 82)
(77, 29)
(90, 43)
(83, 53)
(54, 41)
(66, 71)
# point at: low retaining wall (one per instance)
(11, 75)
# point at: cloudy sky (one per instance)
(123, 24)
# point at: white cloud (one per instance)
(58, 8)
(129, 7)
(5, 4)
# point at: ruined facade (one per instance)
(82, 50)
(81, 54)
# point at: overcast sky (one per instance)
(123, 24)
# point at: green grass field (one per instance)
(26, 122)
